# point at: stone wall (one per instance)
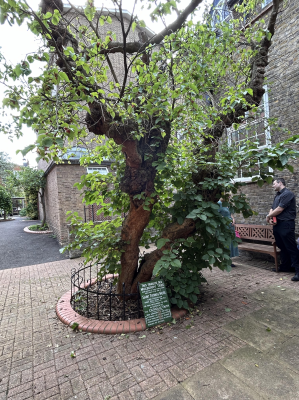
(283, 86)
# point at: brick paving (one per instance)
(35, 347)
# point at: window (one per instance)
(101, 170)
(266, 2)
(75, 153)
(255, 128)
(219, 12)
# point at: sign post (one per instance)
(155, 303)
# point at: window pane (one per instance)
(255, 128)
(101, 170)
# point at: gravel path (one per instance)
(18, 248)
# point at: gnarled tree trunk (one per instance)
(139, 176)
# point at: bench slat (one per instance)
(259, 248)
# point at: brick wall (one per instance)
(69, 197)
(61, 196)
(52, 203)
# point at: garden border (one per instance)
(68, 316)
(27, 230)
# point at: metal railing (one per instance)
(90, 214)
(97, 298)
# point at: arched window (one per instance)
(75, 153)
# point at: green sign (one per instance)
(155, 303)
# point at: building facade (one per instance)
(281, 101)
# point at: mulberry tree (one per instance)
(158, 106)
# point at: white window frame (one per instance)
(102, 170)
(267, 134)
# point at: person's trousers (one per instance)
(284, 233)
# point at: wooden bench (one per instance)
(262, 233)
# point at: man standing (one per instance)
(284, 209)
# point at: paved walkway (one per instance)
(18, 248)
(241, 342)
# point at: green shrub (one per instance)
(31, 209)
(38, 227)
(5, 200)
(23, 212)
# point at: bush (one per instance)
(38, 227)
(5, 201)
(31, 209)
(23, 212)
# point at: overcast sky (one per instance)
(17, 41)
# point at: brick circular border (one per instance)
(27, 230)
(68, 316)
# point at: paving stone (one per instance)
(106, 365)
(216, 382)
(254, 333)
(288, 353)
(280, 320)
(263, 373)
(276, 297)
(175, 393)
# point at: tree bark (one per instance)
(132, 230)
(42, 199)
(171, 232)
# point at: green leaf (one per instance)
(64, 76)
(176, 263)
(56, 18)
(161, 242)
(192, 215)
(74, 326)
(73, 354)
(180, 220)
(48, 15)
(47, 142)
(27, 149)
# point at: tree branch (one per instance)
(137, 47)
(256, 83)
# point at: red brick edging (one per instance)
(26, 229)
(68, 316)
